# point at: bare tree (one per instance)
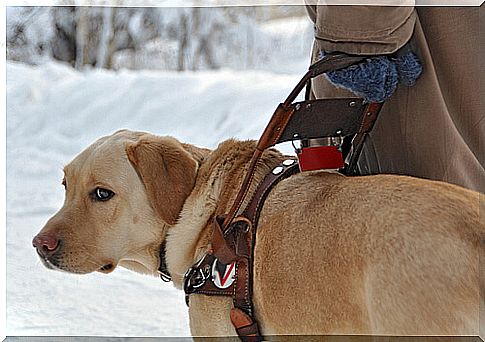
(182, 38)
(82, 36)
(105, 48)
(183, 42)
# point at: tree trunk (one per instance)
(183, 43)
(105, 48)
(82, 36)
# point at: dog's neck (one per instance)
(144, 261)
(147, 259)
(217, 184)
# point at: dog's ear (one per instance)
(167, 170)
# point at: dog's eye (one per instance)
(101, 194)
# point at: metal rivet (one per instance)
(308, 106)
(277, 170)
(353, 103)
(288, 162)
(298, 106)
(369, 113)
(338, 132)
(246, 229)
(278, 129)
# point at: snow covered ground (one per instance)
(54, 112)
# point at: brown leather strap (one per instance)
(245, 326)
(224, 252)
(270, 136)
(236, 245)
(254, 206)
(243, 288)
(331, 62)
(280, 120)
(368, 121)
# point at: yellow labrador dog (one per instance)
(334, 255)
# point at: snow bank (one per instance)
(53, 113)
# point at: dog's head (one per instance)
(122, 193)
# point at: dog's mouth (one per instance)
(47, 263)
(50, 263)
(53, 262)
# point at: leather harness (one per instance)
(232, 250)
(227, 268)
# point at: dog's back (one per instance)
(368, 255)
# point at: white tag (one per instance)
(223, 281)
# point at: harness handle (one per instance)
(280, 119)
(330, 62)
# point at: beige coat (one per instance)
(434, 129)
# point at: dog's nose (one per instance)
(46, 243)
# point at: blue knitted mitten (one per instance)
(409, 68)
(376, 79)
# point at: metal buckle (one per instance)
(240, 223)
(164, 276)
(195, 277)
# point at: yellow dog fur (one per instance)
(385, 254)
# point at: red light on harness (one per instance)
(320, 158)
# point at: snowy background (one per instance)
(70, 83)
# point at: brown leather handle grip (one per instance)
(333, 62)
(330, 62)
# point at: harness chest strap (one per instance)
(227, 269)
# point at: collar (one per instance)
(162, 269)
